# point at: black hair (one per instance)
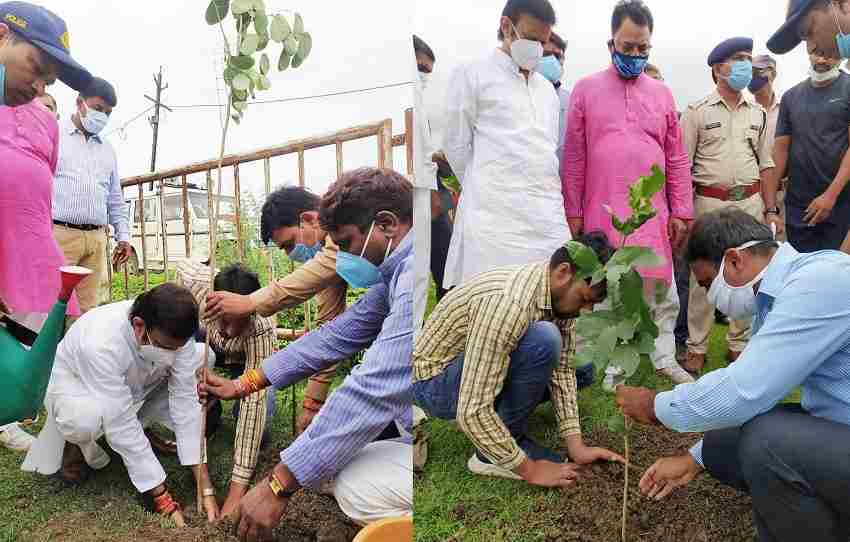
(420, 47)
(558, 41)
(539, 9)
(169, 308)
(716, 232)
(595, 241)
(283, 209)
(100, 88)
(238, 279)
(635, 10)
(361, 194)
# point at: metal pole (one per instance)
(154, 120)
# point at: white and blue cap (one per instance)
(47, 31)
(788, 35)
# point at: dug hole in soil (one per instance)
(703, 511)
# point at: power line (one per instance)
(127, 123)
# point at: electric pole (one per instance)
(154, 120)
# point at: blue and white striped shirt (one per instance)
(87, 188)
(376, 393)
(801, 337)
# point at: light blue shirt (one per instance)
(564, 98)
(801, 337)
(376, 393)
(87, 188)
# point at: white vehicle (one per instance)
(176, 231)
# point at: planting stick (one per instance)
(626, 479)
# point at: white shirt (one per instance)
(101, 352)
(501, 139)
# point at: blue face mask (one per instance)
(629, 67)
(357, 271)
(95, 121)
(550, 68)
(842, 40)
(303, 253)
(741, 75)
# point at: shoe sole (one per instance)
(476, 466)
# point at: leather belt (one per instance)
(82, 227)
(736, 193)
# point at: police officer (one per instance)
(729, 148)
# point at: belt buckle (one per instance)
(737, 193)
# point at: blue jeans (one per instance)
(525, 387)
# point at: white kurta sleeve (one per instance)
(184, 406)
(461, 114)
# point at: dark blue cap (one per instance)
(47, 31)
(788, 35)
(728, 48)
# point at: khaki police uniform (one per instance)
(772, 119)
(728, 149)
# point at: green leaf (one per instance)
(279, 30)
(636, 257)
(263, 83)
(264, 64)
(259, 6)
(240, 106)
(631, 292)
(592, 324)
(217, 11)
(249, 44)
(297, 61)
(585, 260)
(229, 73)
(305, 45)
(607, 341)
(240, 95)
(291, 45)
(646, 343)
(284, 61)
(597, 276)
(627, 358)
(650, 185)
(241, 82)
(242, 62)
(264, 41)
(616, 424)
(298, 26)
(261, 24)
(626, 330)
(236, 118)
(241, 6)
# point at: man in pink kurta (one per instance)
(621, 123)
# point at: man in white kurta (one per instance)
(102, 385)
(501, 136)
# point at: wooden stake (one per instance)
(626, 480)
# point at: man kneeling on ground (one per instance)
(368, 214)
(496, 348)
(120, 368)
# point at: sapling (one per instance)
(619, 337)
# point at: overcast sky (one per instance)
(685, 32)
(126, 42)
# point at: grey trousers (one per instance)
(795, 466)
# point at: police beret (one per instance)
(728, 48)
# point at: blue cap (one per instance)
(728, 48)
(47, 31)
(788, 35)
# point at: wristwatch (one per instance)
(278, 489)
(772, 210)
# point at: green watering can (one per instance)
(24, 374)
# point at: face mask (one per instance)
(302, 253)
(758, 83)
(424, 79)
(526, 53)
(629, 67)
(155, 355)
(550, 68)
(824, 77)
(736, 302)
(94, 121)
(740, 76)
(357, 270)
(842, 40)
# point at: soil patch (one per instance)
(703, 511)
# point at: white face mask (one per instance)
(155, 355)
(424, 79)
(526, 53)
(736, 302)
(94, 121)
(824, 77)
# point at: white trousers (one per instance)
(377, 483)
(421, 254)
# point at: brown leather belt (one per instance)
(735, 193)
(82, 227)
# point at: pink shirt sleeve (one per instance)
(680, 186)
(574, 161)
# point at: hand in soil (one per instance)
(211, 507)
(234, 497)
(548, 474)
(638, 404)
(260, 512)
(585, 455)
(668, 474)
(177, 516)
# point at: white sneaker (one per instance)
(676, 374)
(16, 439)
(476, 466)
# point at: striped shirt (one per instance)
(249, 349)
(87, 188)
(485, 320)
(801, 337)
(375, 394)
